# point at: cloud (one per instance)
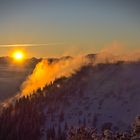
(29, 45)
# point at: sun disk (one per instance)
(18, 55)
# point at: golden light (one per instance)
(18, 55)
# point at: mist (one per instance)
(46, 73)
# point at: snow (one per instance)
(111, 93)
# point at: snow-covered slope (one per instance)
(95, 95)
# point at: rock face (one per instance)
(106, 94)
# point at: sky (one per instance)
(50, 28)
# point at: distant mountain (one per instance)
(5, 60)
(91, 56)
(31, 62)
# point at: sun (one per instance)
(18, 55)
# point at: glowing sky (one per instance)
(47, 28)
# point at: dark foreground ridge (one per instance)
(52, 113)
(23, 121)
